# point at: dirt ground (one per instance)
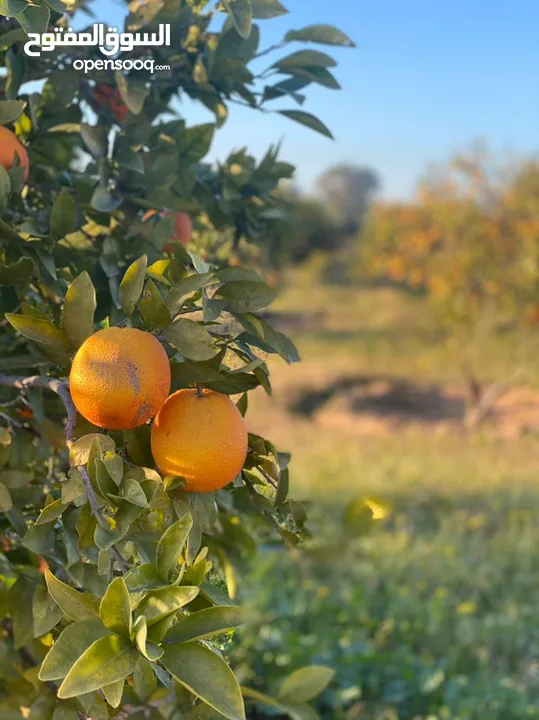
(331, 395)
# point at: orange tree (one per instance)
(116, 579)
(469, 242)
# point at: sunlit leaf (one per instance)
(207, 676)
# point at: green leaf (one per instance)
(170, 547)
(5, 188)
(65, 711)
(132, 284)
(40, 539)
(295, 711)
(320, 75)
(105, 201)
(95, 138)
(305, 59)
(241, 13)
(194, 143)
(153, 309)
(133, 92)
(205, 623)
(68, 648)
(134, 493)
(63, 215)
(45, 612)
(129, 159)
(271, 340)
(10, 8)
(282, 489)
(232, 274)
(125, 517)
(205, 509)
(6, 503)
(57, 5)
(79, 452)
(12, 37)
(323, 34)
(16, 65)
(115, 608)
(183, 375)
(207, 676)
(243, 404)
(107, 661)
(243, 297)
(76, 605)
(50, 512)
(161, 269)
(149, 650)
(78, 311)
(144, 680)
(73, 488)
(308, 120)
(305, 684)
(18, 273)
(113, 693)
(191, 340)
(21, 597)
(267, 9)
(34, 19)
(10, 110)
(232, 384)
(159, 604)
(186, 286)
(115, 466)
(44, 333)
(137, 443)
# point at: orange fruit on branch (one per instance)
(109, 97)
(201, 437)
(120, 378)
(183, 229)
(9, 145)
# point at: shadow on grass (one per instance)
(384, 396)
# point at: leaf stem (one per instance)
(270, 49)
(200, 390)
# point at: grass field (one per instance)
(434, 615)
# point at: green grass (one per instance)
(435, 614)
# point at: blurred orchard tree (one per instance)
(117, 582)
(469, 241)
(347, 191)
(325, 220)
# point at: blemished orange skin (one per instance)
(183, 229)
(201, 438)
(9, 145)
(120, 378)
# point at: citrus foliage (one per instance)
(114, 578)
(468, 240)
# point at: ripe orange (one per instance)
(203, 438)
(109, 97)
(183, 229)
(9, 145)
(120, 378)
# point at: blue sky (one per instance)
(427, 78)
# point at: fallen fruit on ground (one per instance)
(200, 436)
(9, 145)
(120, 378)
(183, 228)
